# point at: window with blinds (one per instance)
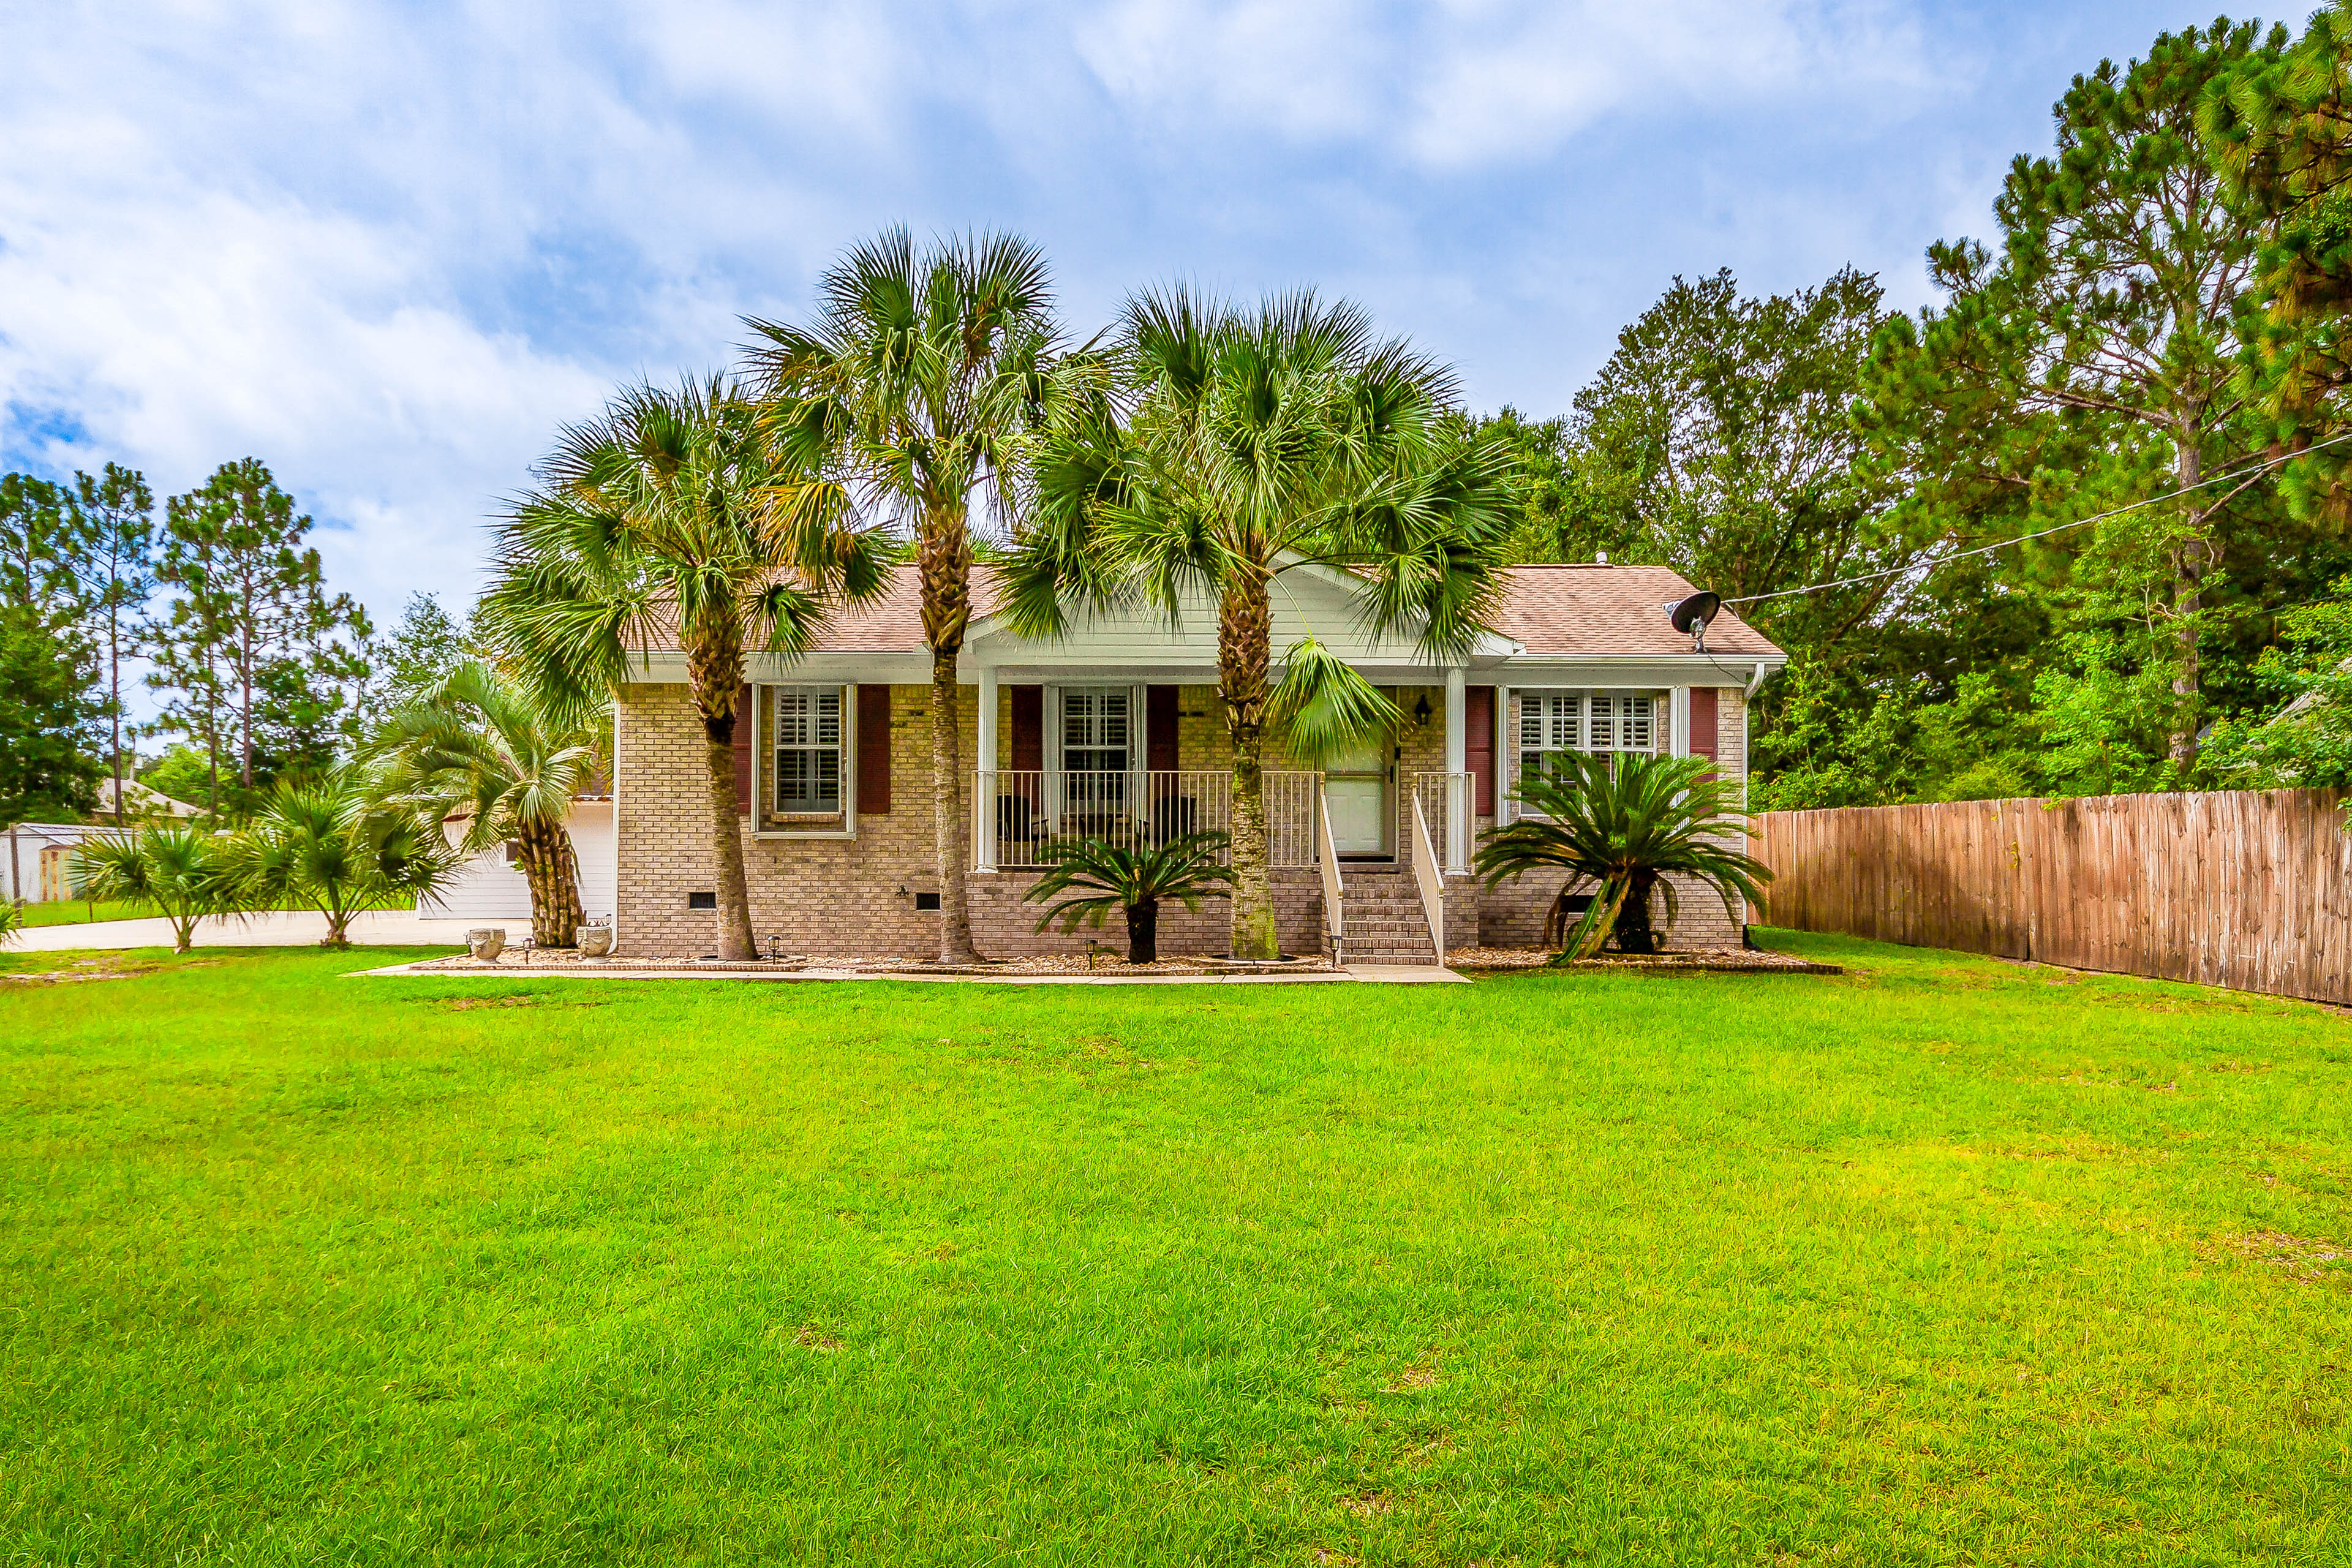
(1551, 723)
(806, 745)
(1097, 732)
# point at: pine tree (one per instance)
(119, 510)
(252, 647)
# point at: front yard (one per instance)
(1941, 1260)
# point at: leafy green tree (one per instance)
(675, 519)
(182, 870)
(1623, 826)
(252, 649)
(1101, 877)
(119, 514)
(480, 745)
(2094, 354)
(1212, 450)
(327, 845)
(418, 655)
(49, 766)
(2304, 740)
(921, 365)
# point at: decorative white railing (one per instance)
(1017, 811)
(1449, 800)
(1327, 856)
(1431, 881)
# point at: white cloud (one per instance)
(1477, 82)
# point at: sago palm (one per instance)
(674, 521)
(1623, 829)
(487, 747)
(1102, 877)
(182, 871)
(920, 365)
(1207, 450)
(331, 846)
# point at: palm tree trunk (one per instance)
(947, 826)
(552, 871)
(1245, 640)
(1143, 931)
(715, 675)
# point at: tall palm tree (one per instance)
(674, 521)
(482, 744)
(1208, 449)
(921, 366)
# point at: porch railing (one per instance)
(1017, 811)
(1448, 802)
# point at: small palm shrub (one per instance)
(330, 847)
(12, 918)
(185, 871)
(1622, 829)
(1102, 877)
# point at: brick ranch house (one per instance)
(1117, 730)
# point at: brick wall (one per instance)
(855, 898)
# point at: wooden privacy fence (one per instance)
(2241, 889)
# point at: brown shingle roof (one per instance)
(1547, 609)
(1610, 610)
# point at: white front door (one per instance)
(1357, 785)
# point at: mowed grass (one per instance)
(1939, 1261)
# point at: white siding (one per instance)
(487, 889)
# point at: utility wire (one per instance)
(2044, 533)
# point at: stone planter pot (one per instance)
(486, 943)
(595, 942)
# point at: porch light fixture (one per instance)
(1420, 709)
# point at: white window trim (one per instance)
(762, 765)
(1670, 704)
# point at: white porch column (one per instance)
(1678, 721)
(1461, 805)
(1506, 754)
(984, 790)
(1457, 725)
(984, 743)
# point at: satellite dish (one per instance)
(1692, 615)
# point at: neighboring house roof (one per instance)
(140, 800)
(1611, 610)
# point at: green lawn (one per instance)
(1943, 1261)
(67, 912)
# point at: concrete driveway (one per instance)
(377, 928)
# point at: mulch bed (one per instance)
(1695, 960)
(515, 961)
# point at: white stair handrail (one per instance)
(1431, 879)
(1327, 856)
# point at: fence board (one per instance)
(2241, 889)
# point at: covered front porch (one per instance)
(1140, 763)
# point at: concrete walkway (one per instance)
(375, 928)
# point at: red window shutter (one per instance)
(743, 702)
(1028, 728)
(874, 751)
(1702, 722)
(1478, 744)
(1160, 729)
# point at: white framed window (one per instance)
(804, 752)
(1098, 729)
(1551, 723)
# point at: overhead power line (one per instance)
(2044, 533)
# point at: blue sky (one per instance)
(389, 249)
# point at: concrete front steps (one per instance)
(1382, 910)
